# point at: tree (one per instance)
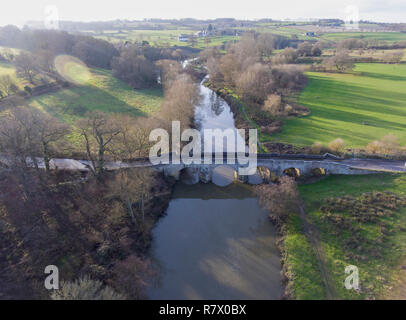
(304, 49)
(95, 52)
(341, 61)
(49, 133)
(133, 140)
(266, 44)
(280, 199)
(7, 85)
(29, 133)
(85, 289)
(135, 69)
(98, 131)
(169, 71)
(288, 55)
(255, 83)
(179, 102)
(17, 138)
(132, 186)
(26, 66)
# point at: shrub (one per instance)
(317, 147)
(85, 289)
(273, 105)
(387, 145)
(336, 146)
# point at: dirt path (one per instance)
(313, 237)
(398, 285)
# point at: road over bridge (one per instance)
(276, 164)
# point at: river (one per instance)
(215, 242)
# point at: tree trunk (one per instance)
(131, 211)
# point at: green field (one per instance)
(8, 69)
(376, 271)
(104, 93)
(381, 36)
(164, 38)
(359, 107)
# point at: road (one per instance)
(376, 164)
(83, 165)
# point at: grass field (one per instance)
(165, 38)
(8, 69)
(104, 93)
(381, 36)
(376, 271)
(359, 107)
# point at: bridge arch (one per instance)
(292, 172)
(318, 172)
(223, 175)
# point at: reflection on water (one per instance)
(213, 112)
(219, 248)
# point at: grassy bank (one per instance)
(104, 93)
(359, 107)
(378, 255)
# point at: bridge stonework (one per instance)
(204, 172)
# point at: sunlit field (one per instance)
(103, 92)
(359, 107)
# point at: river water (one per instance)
(215, 242)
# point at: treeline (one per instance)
(249, 69)
(92, 51)
(353, 43)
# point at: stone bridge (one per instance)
(266, 169)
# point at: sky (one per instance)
(19, 11)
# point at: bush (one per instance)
(387, 145)
(273, 105)
(317, 147)
(85, 289)
(336, 146)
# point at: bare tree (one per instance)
(133, 139)
(179, 102)
(26, 66)
(17, 137)
(341, 61)
(49, 132)
(255, 83)
(132, 186)
(169, 71)
(26, 133)
(98, 131)
(7, 85)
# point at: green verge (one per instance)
(376, 272)
(300, 264)
(359, 107)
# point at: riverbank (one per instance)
(81, 226)
(368, 236)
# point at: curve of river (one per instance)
(215, 242)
